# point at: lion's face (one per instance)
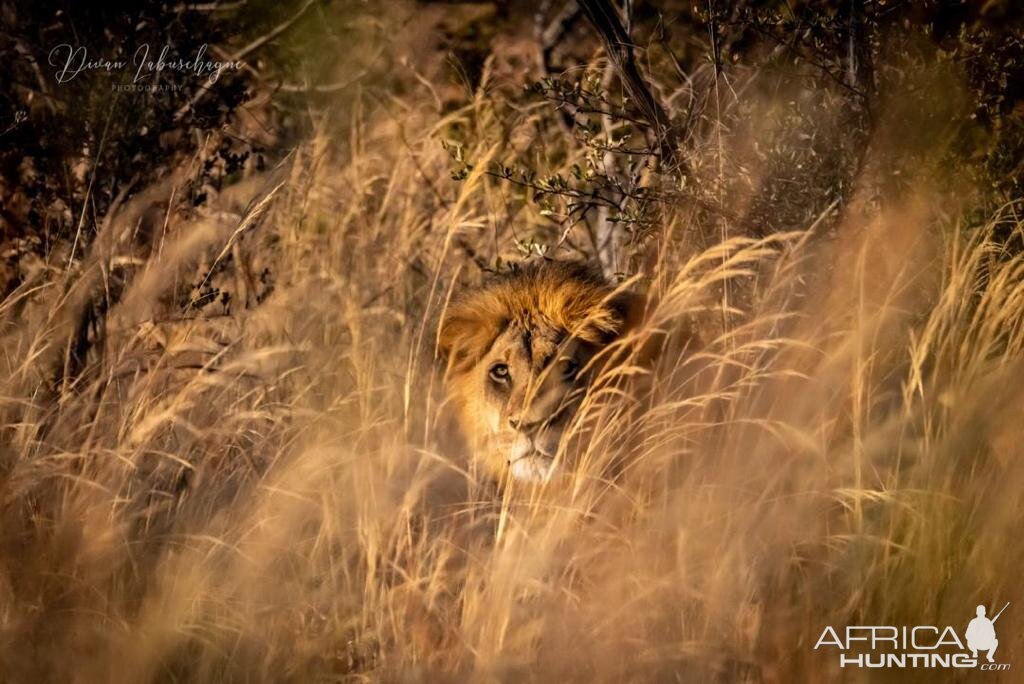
(520, 355)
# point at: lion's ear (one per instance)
(465, 332)
(630, 309)
(452, 337)
(607, 320)
(634, 308)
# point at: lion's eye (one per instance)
(569, 367)
(499, 372)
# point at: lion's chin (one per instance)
(533, 468)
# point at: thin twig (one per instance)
(240, 55)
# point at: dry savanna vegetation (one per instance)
(226, 452)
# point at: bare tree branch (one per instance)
(550, 34)
(605, 19)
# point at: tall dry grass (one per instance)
(277, 495)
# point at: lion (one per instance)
(521, 352)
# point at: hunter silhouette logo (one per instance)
(888, 646)
(981, 634)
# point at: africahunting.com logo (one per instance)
(886, 646)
